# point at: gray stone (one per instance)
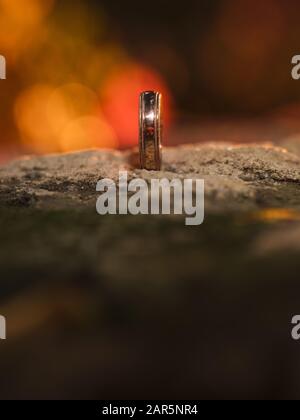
(241, 177)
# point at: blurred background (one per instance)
(129, 307)
(75, 68)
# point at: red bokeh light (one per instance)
(120, 100)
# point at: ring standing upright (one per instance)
(150, 130)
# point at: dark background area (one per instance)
(219, 56)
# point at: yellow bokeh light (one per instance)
(276, 215)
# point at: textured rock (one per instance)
(237, 177)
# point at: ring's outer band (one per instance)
(150, 130)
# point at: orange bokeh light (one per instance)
(62, 119)
(73, 117)
(71, 93)
(28, 12)
(87, 133)
(19, 23)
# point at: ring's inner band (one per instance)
(150, 130)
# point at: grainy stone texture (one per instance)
(117, 307)
(236, 177)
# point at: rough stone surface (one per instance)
(236, 177)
